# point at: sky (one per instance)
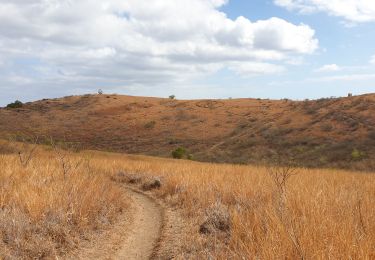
(193, 49)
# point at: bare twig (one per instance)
(26, 151)
(63, 156)
(360, 215)
(280, 176)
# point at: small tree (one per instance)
(15, 104)
(179, 153)
(172, 97)
(100, 92)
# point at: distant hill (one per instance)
(333, 132)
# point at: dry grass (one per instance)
(44, 214)
(319, 214)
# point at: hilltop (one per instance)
(332, 132)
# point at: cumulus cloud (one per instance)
(328, 68)
(354, 11)
(140, 42)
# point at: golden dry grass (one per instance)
(326, 214)
(44, 214)
(329, 213)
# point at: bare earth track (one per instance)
(146, 228)
(134, 237)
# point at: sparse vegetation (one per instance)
(15, 104)
(232, 131)
(172, 97)
(150, 125)
(326, 127)
(179, 153)
(358, 155)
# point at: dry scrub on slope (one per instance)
(319, 214)
(316, 133)
(44, 214)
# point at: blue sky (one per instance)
(191, 48)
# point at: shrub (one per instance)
(124, 177)
(358, 155)
(150, 125)
(151, 184)
(371, 135)
(179, 153)
(172, 97)
(217, 219)
(15, 104)
(326, 127)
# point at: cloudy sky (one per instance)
(191, 48)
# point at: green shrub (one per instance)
(358, 155)
(179, 153)
(172, 97)
(15, 104)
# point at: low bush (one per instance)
(15, 104)
(179, 153)
(326, 127)
(150, 125)
(371, 135)
(358, 155)
(217, 219)
(151, 184)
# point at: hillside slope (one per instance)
(337, 132)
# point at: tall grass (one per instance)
(320, 214)
(324, 214)
(43, 213)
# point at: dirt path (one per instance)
(135, 236)
(145, 231)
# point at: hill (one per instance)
(332, 132)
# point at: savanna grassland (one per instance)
(50, 200)
(246, 212)
(230, 211)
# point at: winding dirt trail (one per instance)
(136, 236)
(145, 230)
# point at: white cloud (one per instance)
(141, 42)
(372, 60)
(328, 68)
(246, 69)
(349, 77)
(353, 11)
